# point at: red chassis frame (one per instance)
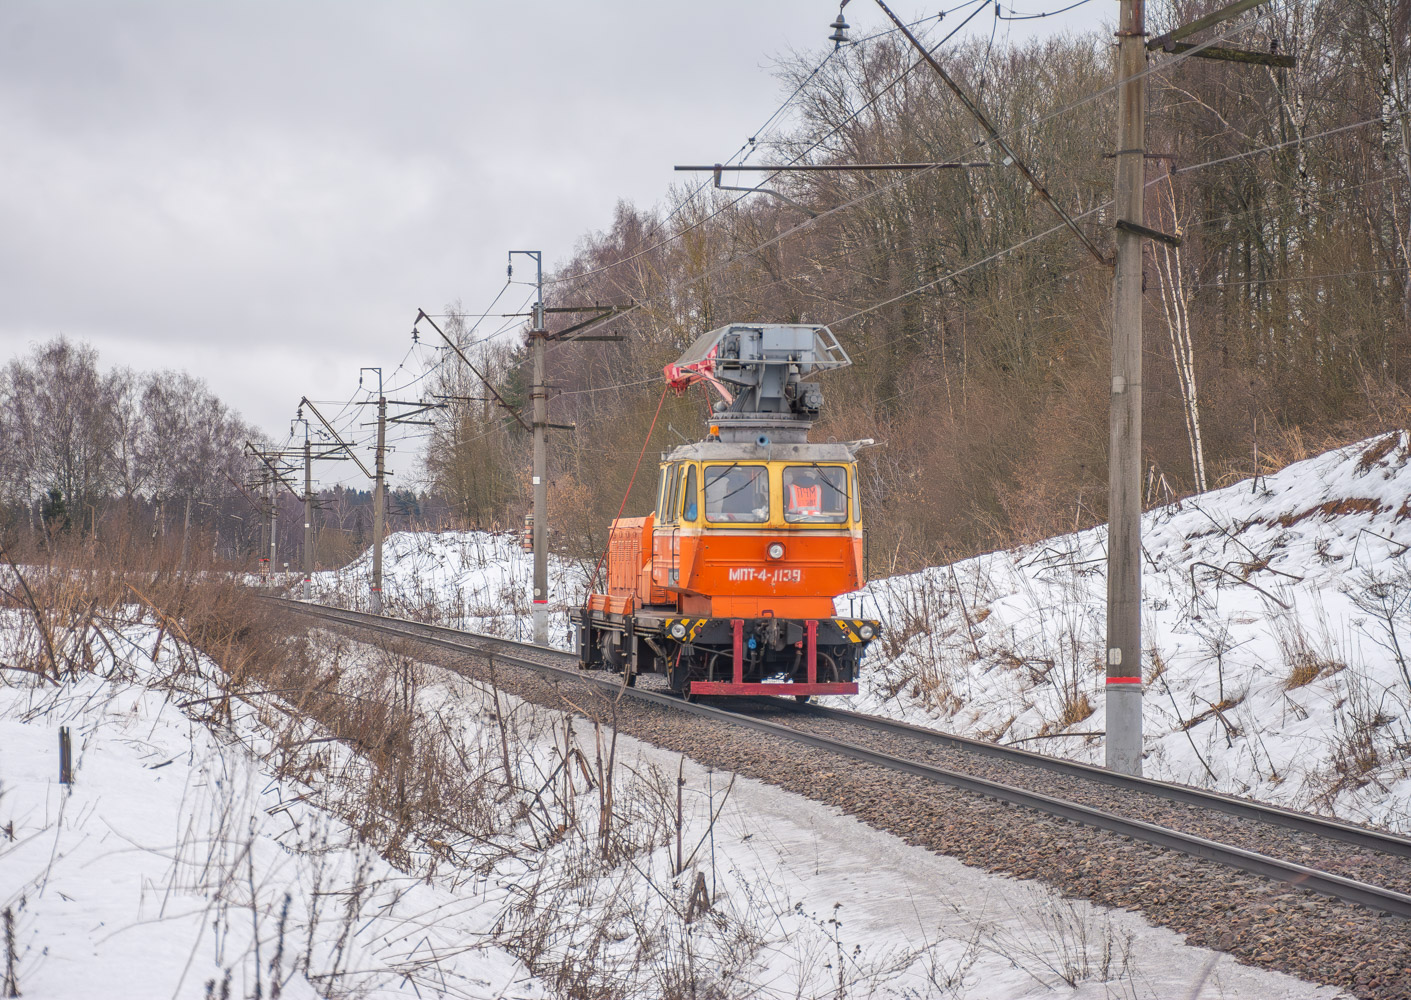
(738, 686)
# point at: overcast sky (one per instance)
(263, 194)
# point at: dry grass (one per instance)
(353, 724)
(1075, 710)
(1306, 668)
(1309, 648)
(413, 781)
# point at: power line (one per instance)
(1016, 16)
(1281, 145)
(1019, 129)
(1106, 204)
(1175, 60)
(1303, 277)
(751, 145)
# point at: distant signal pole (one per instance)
(271, 459)
(377, 510)
(539, 426)
(263, 550)
(378, 474)
(308, 507)
(379, 497)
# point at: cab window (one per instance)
(673, 491)
(737, 494)
(688, 499)
(815, 494)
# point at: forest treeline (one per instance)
(90, 453)
(84, 446)
(977, 326)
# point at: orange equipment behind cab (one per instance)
(630, 568)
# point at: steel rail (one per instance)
(1324, 883)
(1376, 840)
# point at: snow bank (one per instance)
(475, 580)
(177, 859)
(1276, 623)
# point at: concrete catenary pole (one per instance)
(541, 471)
(308, 516)
(263, 552)
(376, 477)
(379, 499)
(539, 395)
(1124, 581)
(273, 526)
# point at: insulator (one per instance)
(840, 31)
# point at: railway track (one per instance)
(1030, 779)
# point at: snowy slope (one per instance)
(472, 579)
(176, 859)
(1276, 619)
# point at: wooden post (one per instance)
(65, 757)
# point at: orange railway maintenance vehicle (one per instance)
(728, 587)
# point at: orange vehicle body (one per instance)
(723, 602)
(712, 573)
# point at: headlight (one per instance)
(776, 550)
(866, 632)
(678, 630)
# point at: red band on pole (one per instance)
(1124, 680)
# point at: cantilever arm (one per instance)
(337, 437)
(421, 315)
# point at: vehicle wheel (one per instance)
(802, 699)
(609, 658)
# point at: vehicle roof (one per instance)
(723, 451)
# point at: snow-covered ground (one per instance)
(1276, 623)
(1276, 617)
(177, 864)
(187, 852)
(475, 580)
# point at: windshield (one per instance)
(737, 493)
(816, 494)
